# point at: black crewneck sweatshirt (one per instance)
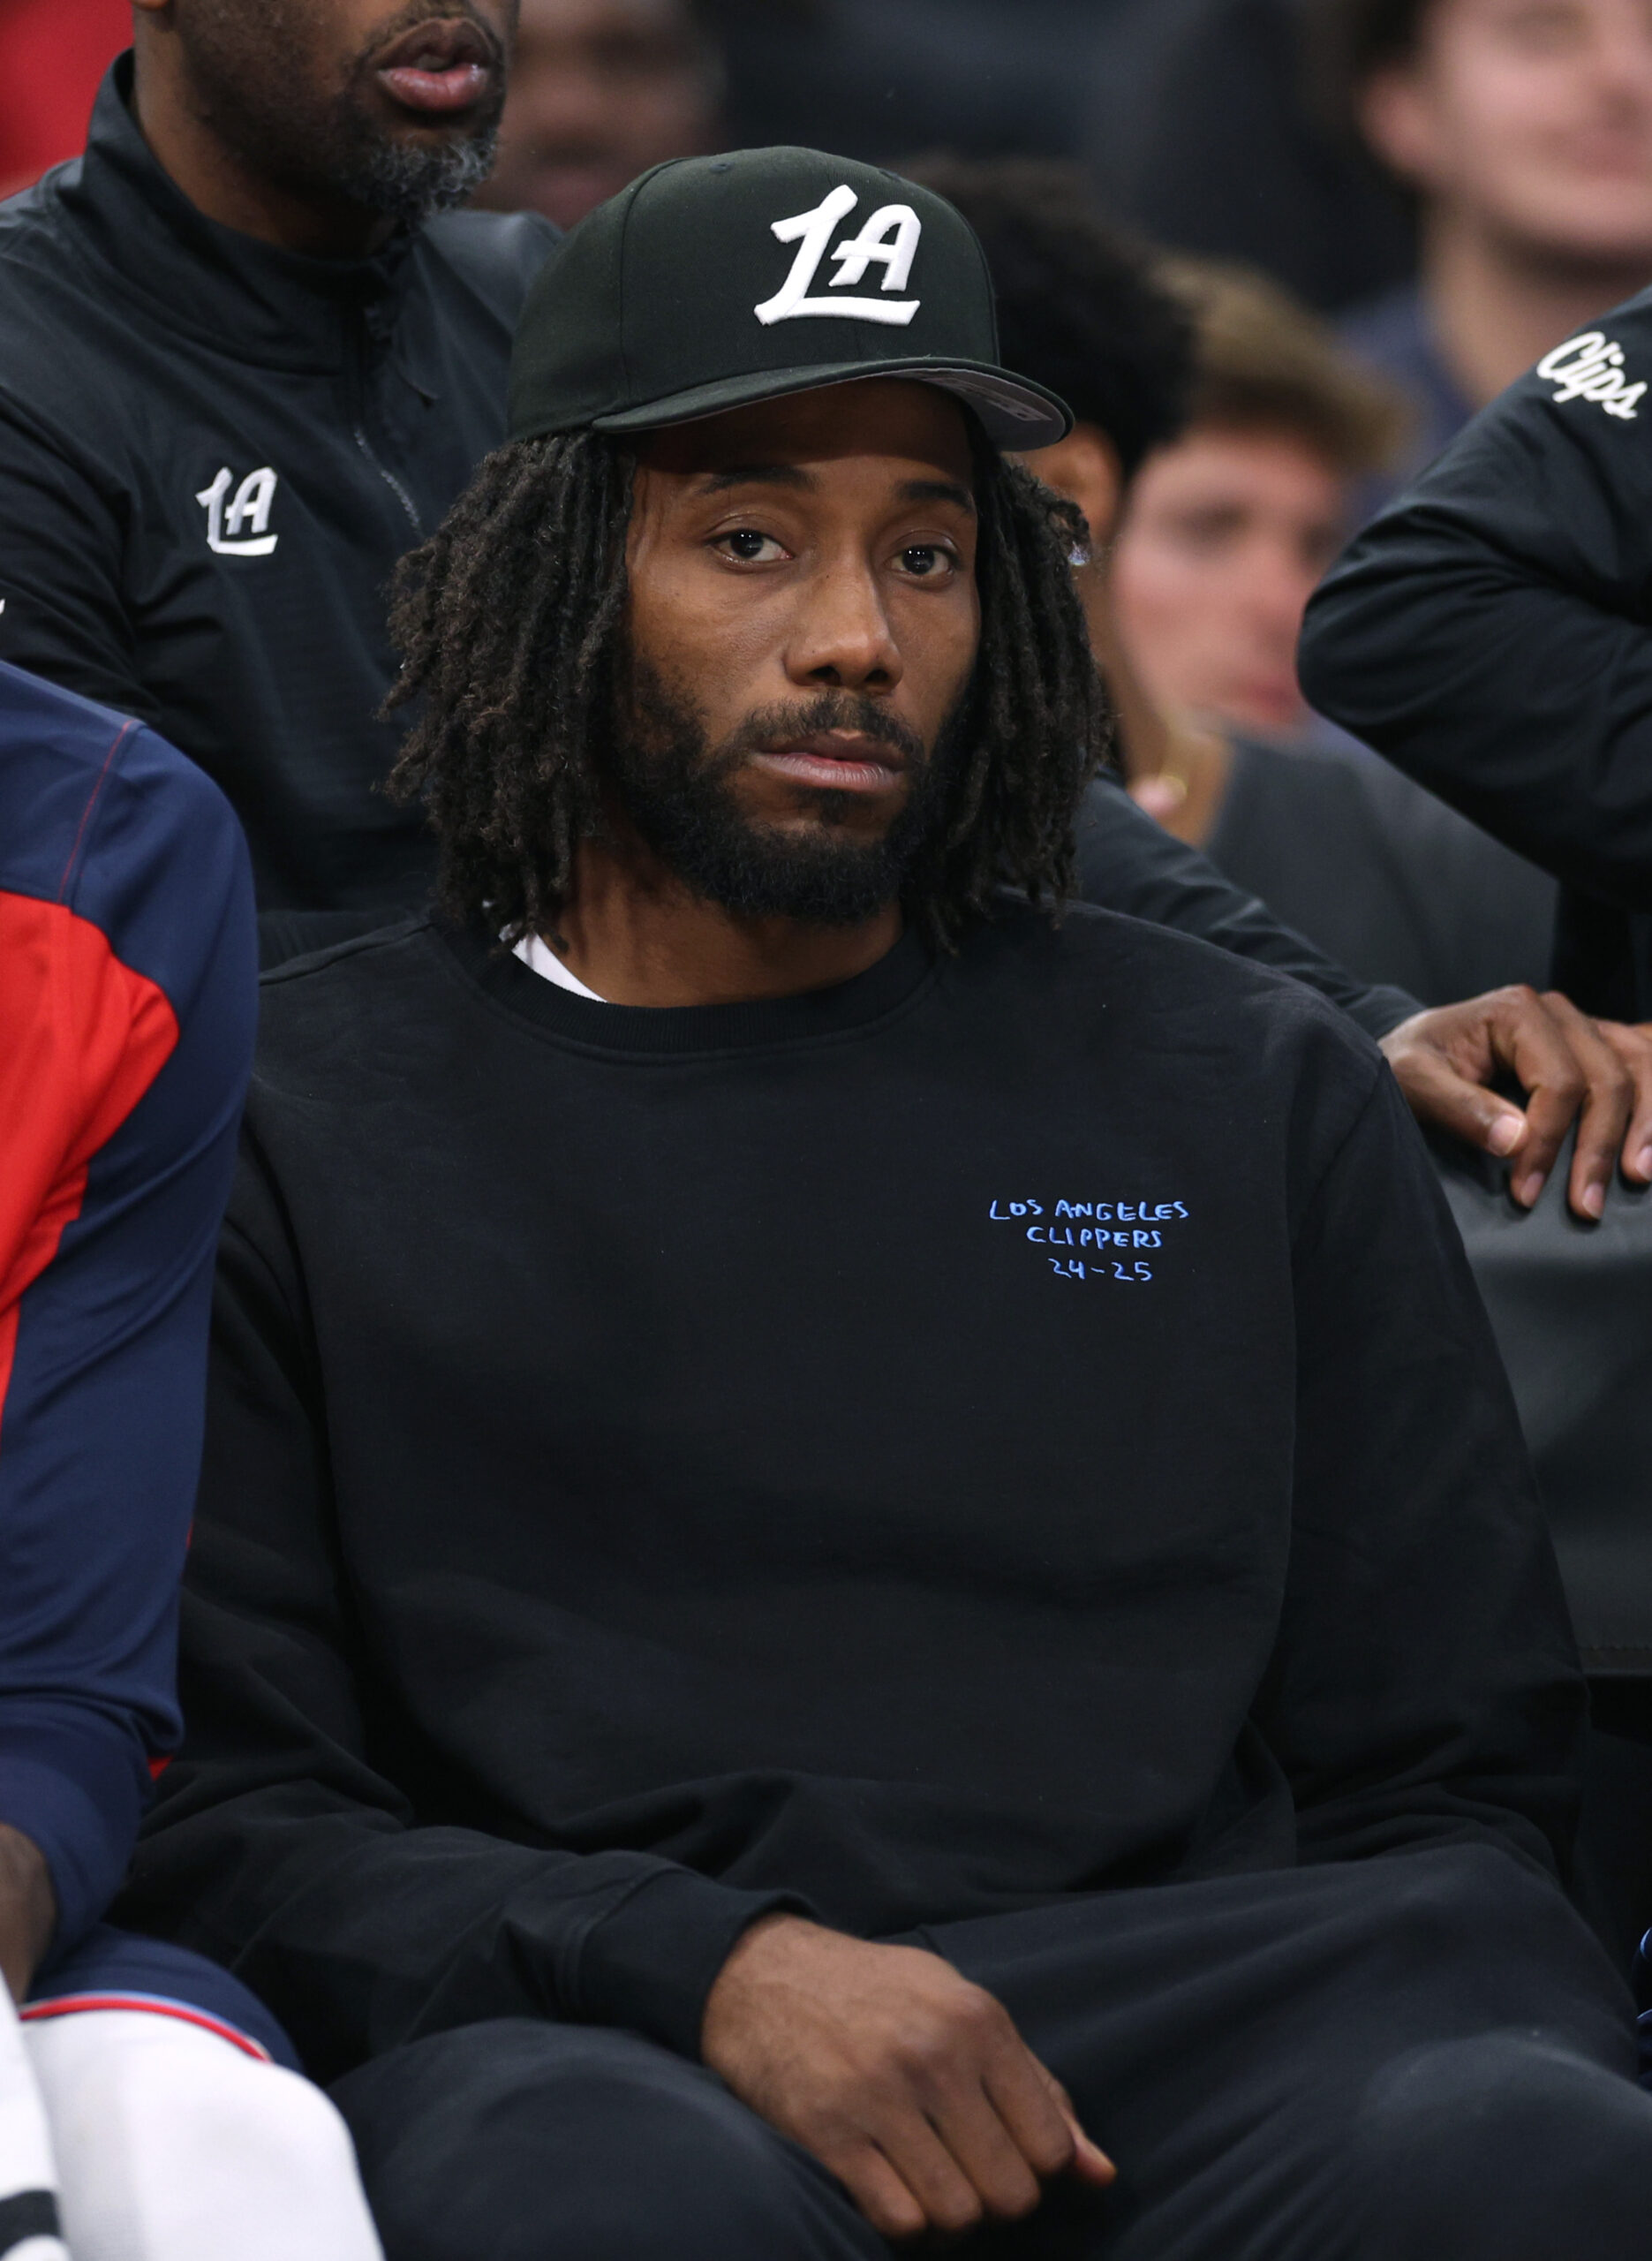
(994, 1430)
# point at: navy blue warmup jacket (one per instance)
(127, 1006)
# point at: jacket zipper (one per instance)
(392, 482)
(362, 358)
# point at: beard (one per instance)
(240, 63)
(677, 790)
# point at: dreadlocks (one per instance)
(511, 621)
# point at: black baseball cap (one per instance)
(714, 280)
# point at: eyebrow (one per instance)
(791, 475)
(939, 490)
(757, 474)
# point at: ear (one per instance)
(1400, 122)
(1085, 468)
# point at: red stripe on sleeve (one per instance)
(81, 1039)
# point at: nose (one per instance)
(842, 639)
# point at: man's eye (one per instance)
(750, 547)
(1206, 531)
(923, 560)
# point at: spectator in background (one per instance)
(1523, 128)
(599, 91)
(1222, 539)
(247, 359)
(872, 79)
(1201, 128)
(1229, 528)
(1215, 468)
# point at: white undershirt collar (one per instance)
(537, 956)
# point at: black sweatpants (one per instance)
(1423, 2058)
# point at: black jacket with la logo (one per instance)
(212, 454)
(1488, 633)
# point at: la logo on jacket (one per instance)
(238, 526)
(888, 240)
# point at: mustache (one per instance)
(829, 710)
(432, 12)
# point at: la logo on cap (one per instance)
(889, 238)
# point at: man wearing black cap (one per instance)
(731, 1711)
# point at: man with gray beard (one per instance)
(248, 357)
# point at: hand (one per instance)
(911, 2085)
(1569, 1066)
(28, 1909)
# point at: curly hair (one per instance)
(511, 621)
(1080, 306)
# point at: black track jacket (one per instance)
(1489, 635)
(212, 454)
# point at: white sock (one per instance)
(172, 2144)
(28, 2174)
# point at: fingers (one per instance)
(1443, 1091)
(985, 2108)
(961, 2166)
(1633, 1047)
(878, 2191)
(953, 2150)
(907, 2082)
(1038, 2114)
(1090, 2162)
(1572, 1068)
(1015, 2129)
(1606, 1102)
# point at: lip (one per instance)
(438, 67)
(838, 761)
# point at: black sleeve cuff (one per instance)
(651, 1963)
(1378, 1011)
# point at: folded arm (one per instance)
(1487, 632)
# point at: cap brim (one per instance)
(1014, 412)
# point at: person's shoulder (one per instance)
(66, 335)
(107, 826)
(321, 1014)
(1383, 798)
(47, 291)
(1344, 797)
(495, 255)
(1214, 1041)
(81, 784)
(35, 220)
(1143, 978)
(1327, 773)
(351, 968)
(1385, 813)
